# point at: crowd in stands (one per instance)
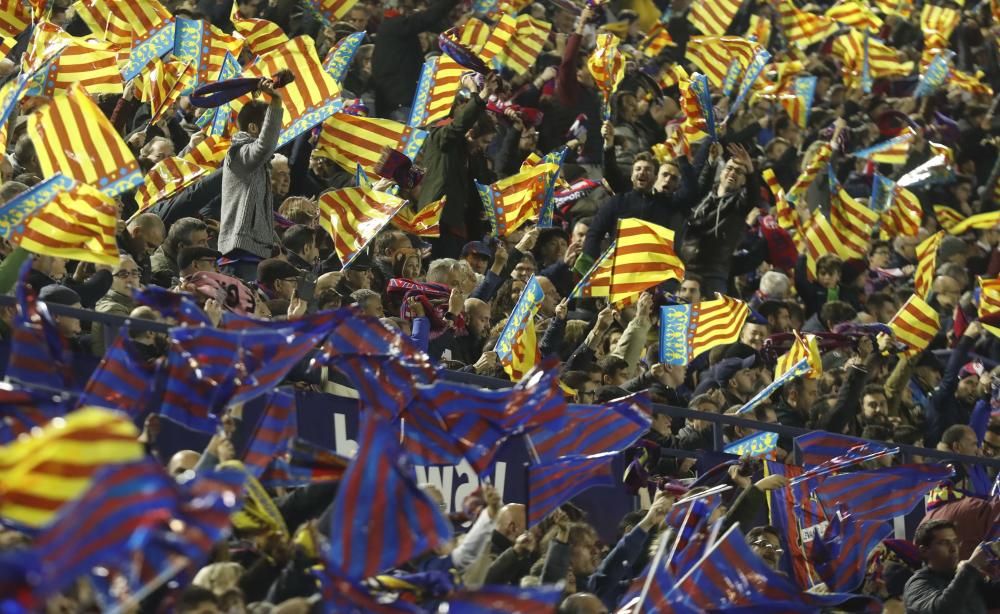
(747, 204)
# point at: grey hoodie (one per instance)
(247, 203)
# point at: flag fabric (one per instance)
(856, 14)
(880, 494)
(24, 410)
(342, 595)
(934, 76)
(939, 19)
(760, 59)
(39, 355)
(816, 165)
(552, 180)
(206, 47)
(424, 223)
(700, 94)
(220, 121)
(350, 141)
(926, 264)
(91, 65)
(988, 304)
(656, 40)
(760, 445)
(145, 29)
(597, 280)
(164, 83)
(644, 257)
(439, 83)
(175, 306)
(979, 221)
(972, 83)
(714, 55)
(122, 380)
(840, 553)
(821, 239)
(502, 599)
(890, 151)
(517, 347)
(915, 324)
(554, 483)
(305, 463)
(353, 216)
(802, 349)
(713, 17)
(330, 11)
(15, 17)
(514, 200)
(260, 35)
(797, 370)
(900, 210)
(273, 433)
(600, 428)
(947, 217)
(784, 513)
(523, 49)
(867, 58)
(56, 465)
(338, 59)
(687, 331)
(380, 517)
(309, 100)
(801, 28)
(607, 66)
(73, 137)
(818, 447)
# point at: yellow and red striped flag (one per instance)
(939, 19)
(695, 125)
(210, 152)
(883, 60)
(501, 34)
(353, 216)
(926, 264)
(989, 299)
(712, 55)
(902, 8)
(801, 28)
(760, 30)
(6, 45)
(815, 165)
(50, 468)
(310, 99)
(904, 215)
(821, 239)
(713, 17)
(915, 324)
(423, 223)
(514, 200)
(529, 39)
(787, 217)
(206, 46)
(687, 331)
(607, 65)
(656, 40)
(970, 83)
(164, 84)
(979, 221)
(350, 141)
(597, 281)
(260, 35)
(142, 31)
(891, 151)
(852, 222)
(474, 34)
(93, 65)
(440, 81)
(331, 11)
(644, 257)
(14, 17)
(947, 217)
(77, 223)
(855, 13)
(168, 177)
(801, 348)
(73, 137)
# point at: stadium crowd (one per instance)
(894, 306)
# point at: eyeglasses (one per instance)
(126, 274)
(763, 544)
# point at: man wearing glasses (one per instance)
(118, 300)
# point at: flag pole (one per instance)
(151, 586)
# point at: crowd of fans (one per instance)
(256, 219)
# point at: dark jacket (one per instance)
(709, 251)
(571, 100)
(967, 591)
(90, 291)
(945, 409)
(398, 57)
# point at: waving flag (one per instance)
(979, 221)
(597, 280)
(15, 17)
(514, 200)
(524, 48)
(972, 83)
(713, 16)
(552, 484)
(856, 14)
(350, 141)
(797, 370)
(423, 223)
(656, 40)
(891, 151)
(45, 471)
(164, 84)
(900, 210)
(881, 494)
(851, 221)
(840, 553)
(261, 35)
(687, 331)
(173, 174)
(343, 595)
(176, 306)
(601, 428)
(939, 19)
(715, 55)
(338, 60)
(753, 70)
(306, 463)
(703, 98)
(72, 136)
(644, 257)
(122, 380)
(801, 28)
(330, 11)
(947, 217)
(88, 64)
(516, 346)
(146, 29)
(381, 517)
(24, 410)
(818, 447)
(785, 513)
(273, 434)
(503, 600)
(206, 47)
(440, 81)
(926, 264)
(607, 65)
(934, 76)
(761, 445)
(818, 163)
(353, 216)
(915, 324)
(39, 354)
(807, 349)
(822, 239)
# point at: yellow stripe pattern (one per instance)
(349, 140)
(801, 348)
(713, 17)
(644, 257)
(164, 83)
(926, 264)
(915, 324)
(353, 216)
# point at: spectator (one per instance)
(944, 584)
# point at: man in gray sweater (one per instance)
(944, 585)
(246, 231)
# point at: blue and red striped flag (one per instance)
(597, 428)
(344, 596)
(552, 484)
(23, 410)
(39, 355)
(123, 380)
(380, 517)
(182, 308)
(273, 434)
(305, 463)
(503, 600)
(785, 515)
(840, 553)
(881, 494)
(820, 447)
